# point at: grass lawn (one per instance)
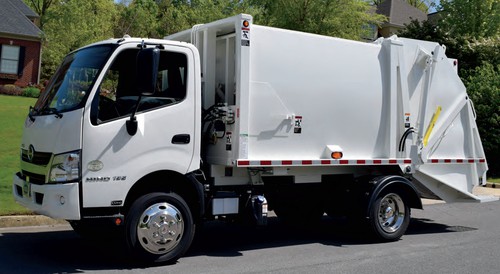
(494, 180)
(13, 111)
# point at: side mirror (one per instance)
(147, 72)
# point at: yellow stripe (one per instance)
(431, 125)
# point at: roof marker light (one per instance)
(337, 155)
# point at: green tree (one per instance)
(345, 19)
(422, 5)
(475, 18)
(157, 18)
(470, 52)
(71, 24)
(177, 15)
(138, 18)
(41, 7)
(483, 85)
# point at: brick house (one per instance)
(20, 44)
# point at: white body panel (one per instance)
(355, 96)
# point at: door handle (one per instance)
(181, 139)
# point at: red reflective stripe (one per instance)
(343, 162)
(458, 161)
(244, 163)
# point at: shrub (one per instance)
(11, 90)
(31, 92)
(483, 85)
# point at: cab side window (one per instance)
(118, 94)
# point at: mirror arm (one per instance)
(132, 122)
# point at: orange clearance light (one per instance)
(337, 155)
(246, 24)
(118, 221)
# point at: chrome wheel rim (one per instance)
(391, 213)
(160, 228)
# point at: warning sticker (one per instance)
(407, 120)
(229, 140)
(245, 33)
(297, 125)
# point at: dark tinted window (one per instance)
(118, 93)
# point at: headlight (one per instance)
(65, 168)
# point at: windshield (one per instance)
(71, 84)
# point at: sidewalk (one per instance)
(38, 220)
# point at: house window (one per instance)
(9, 62)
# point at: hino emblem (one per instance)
(31, 153)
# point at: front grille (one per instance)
(37, 179)
(39, 158)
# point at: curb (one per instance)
(492, 185)
(28, 220)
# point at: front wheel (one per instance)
(389, 217)
(159, 227)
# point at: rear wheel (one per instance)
(389, 216)
(159, 227)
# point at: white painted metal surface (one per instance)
(298, 93)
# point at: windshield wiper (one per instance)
(32, 112)
(52, 111)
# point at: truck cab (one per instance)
(117, 118)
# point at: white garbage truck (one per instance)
(228, 120)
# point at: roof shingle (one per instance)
(15, 21)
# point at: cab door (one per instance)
(112, 159)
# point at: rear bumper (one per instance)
(60, 201)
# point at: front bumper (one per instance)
(59, 201)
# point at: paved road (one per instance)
(444, 238)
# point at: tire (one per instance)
(389, 217)
(159, 227)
